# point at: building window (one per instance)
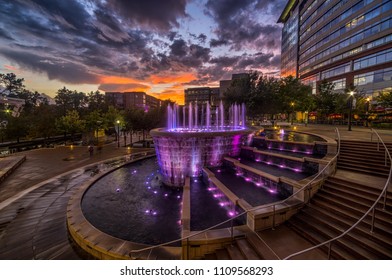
(338, 70)
(373, 59)
(378, 76)
(339, 84)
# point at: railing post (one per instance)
(385, 199)
(378, 144)
(273, 217)
(386, 157)
(232, 230)
(373, 219)
(329, 250)
(187, 248)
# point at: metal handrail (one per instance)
(372, 208)
(274, 204)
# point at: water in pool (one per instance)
(131, 203)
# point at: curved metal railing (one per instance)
(307, 186)
(371, 209)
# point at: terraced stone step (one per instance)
(363, 143)
(370, 196)
(353, 211)
(328, 232)
(361, 170)
(353, 201)
(234, 252)
(371, 249)
(362, 228)
(260, 247)
(365, 159)
(363, 196)
(380, 168)
(222, 254)
(248, 251)
(362, 240)
(316, 237)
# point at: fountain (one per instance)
(201, 153)
(203, 138)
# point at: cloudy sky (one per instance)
(156, 46)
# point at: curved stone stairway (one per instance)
(337, 206)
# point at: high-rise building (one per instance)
(127, 100)
(346, 42)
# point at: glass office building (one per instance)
(346, 42)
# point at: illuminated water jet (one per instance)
(202, 138)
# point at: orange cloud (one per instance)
(174, 94)
(118, 80)
(170, 86)
(170, 79)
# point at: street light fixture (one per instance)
(292, 112)
(118, 133)
(350, 104)
(367, 111)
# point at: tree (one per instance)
(32, 99)
(70, 100)
(95, 121)
(385, 99)
(264, 99)
(96, 101)
(43, 121)
(17, 127)
(11, 85)
(240, 90)
(294, 96)
(70, 123)
(326, 99)
(63, 100)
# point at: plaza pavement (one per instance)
(43, 164)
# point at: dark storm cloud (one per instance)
(71, 14)
(154, 14)
(64, 30)
(222, 67)
(186, 54)
(179, 48)
(64, 71)
(238, 26)
(5, 34)
(69, 40)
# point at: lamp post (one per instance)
(350, 104)
(118, 133)
(367, 111)
(292, 112)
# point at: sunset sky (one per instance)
(156, 46)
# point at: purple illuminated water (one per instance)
(284, 135)
(205, 118)
(206, 200)
(131, 203)
(244, 187)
